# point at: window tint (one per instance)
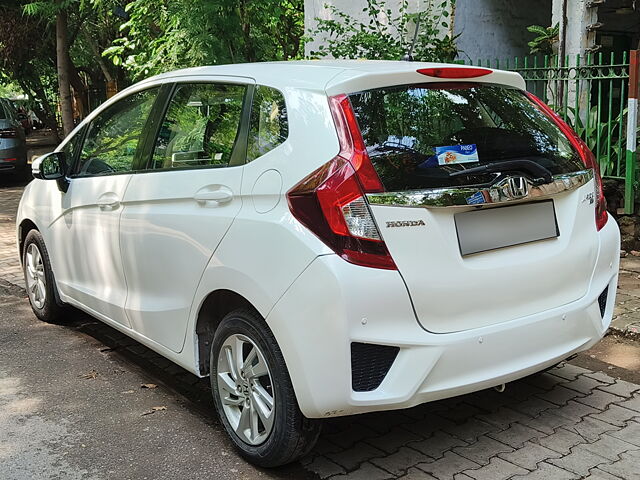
(417, 135)
(114, 136)
(269, 126)
(200, 127)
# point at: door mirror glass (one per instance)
(51, 166)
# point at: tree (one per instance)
(83, 28)
(385, 35)
(64, 69)
(27, 49)
(161, 35)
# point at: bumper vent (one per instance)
(370, 364)
(602, 301)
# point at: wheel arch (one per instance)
(216, 305)
(25, 226)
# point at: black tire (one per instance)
(292, 435)
(52, 310)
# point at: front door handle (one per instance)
(108, 201)
(219, 195)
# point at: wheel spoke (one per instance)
(264, 412)
(31, 268)
(246, 365)
(229, 356)
(233, 402)
(263, 396)
(243, 424)
(41, 290)
(254, 422)
(259, 369)
(237, 356)
(226, 383)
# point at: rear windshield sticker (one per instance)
(457, 154)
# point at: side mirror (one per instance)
(51, 166)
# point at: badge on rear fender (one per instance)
(457, 154)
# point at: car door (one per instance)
(90, 271)
(177, 212)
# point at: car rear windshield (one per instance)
(418, 135)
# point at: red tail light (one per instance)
(587, 156)
(331, 201)
(8, 133)
(454, 72)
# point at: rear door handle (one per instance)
(219, 195)
(108, 201)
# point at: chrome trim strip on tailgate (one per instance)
(502, 192)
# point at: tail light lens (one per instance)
(586, 155)
(331, 201)
(8, 133)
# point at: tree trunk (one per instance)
(93, 45)
(64, 70)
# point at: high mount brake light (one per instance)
(331, 201)
(454, 72)
(586, 155)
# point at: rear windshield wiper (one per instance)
(542, 175)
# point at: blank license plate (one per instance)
(482, 230)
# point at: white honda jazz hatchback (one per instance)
(326, 238)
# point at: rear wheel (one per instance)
(253, 394)
(39, 280)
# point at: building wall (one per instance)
(489, 28)
(316, 9)
(493, 29)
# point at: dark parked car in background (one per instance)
(13, 144)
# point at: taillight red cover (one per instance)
(318, 200)
(454, 72)
(587, 156)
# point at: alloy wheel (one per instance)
(36, 280)
(245, 388)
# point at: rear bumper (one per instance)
(20, 162)
(334, 303)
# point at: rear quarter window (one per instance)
(417, 135)
(269, 125)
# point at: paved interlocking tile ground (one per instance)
(566, 423)
(627, 313)
(10, 268)
(516, 434)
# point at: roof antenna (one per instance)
(409, 55)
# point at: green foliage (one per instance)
(10, 90)
(545, 39)
(387, 35)
(167, 34)
(590, 128)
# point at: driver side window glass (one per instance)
(114, 136)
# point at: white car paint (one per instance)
(316, 303)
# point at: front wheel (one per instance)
(253, 393)
(39, 280)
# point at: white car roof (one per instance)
(335, 76)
